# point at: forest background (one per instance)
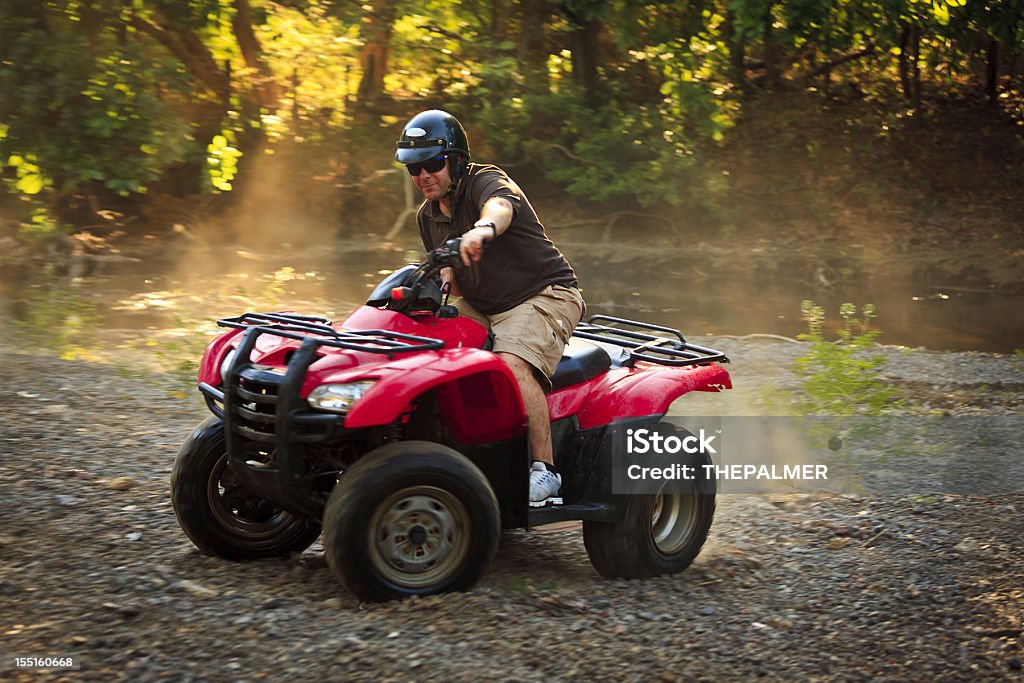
(894, 125)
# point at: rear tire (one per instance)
(658, 534)
(220, 516)
(411, 518)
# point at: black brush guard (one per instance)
(264, 406)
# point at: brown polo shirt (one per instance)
(521, 262)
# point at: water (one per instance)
(740, 302)
(199, 284)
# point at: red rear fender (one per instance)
(648, 390)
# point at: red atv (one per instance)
(403, 438)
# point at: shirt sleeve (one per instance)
(493, 182)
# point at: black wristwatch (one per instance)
(487, 224)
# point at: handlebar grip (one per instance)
(448, 253)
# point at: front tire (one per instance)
(220, 516)
(411, 518)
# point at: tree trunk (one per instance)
(530, 54)
(992, 72)
(1011, 70)
(377, 27)
(266, 89)
(771, 60)
(736, 50)
(583, 43)
(916, 66)
(826, 71)
(910, 68)
(903, 67)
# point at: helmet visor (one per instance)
(415, 147)
(418, 155)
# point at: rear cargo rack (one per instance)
(301, 327)
(636, 338)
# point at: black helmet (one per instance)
(429, 134)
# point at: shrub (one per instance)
(841, 377)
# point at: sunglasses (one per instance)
(431, 165)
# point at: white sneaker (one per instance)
(544, 486)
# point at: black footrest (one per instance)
(591, 512)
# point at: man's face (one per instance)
(434, 186)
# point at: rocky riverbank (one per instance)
(837, 587)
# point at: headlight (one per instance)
(226, 363)
(338, 398)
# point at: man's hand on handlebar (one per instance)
(473, 243)
(445, 255)
(448, 278)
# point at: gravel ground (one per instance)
(828, 587)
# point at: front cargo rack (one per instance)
(294, 326)
(636, 338)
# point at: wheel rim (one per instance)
(419, 536)
(673, 521)
(243, 514)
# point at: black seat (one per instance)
(581, 361)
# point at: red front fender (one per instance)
(476, 391)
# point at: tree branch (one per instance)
(267, 88)
(564, 150)
(190, 51)
(842, 59)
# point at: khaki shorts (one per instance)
(536, 330)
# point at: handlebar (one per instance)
(412, 288)
(445, 256)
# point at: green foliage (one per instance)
(114, 95)
(617, 150)
(652, 162)
(315, 54)
(79, 104)
(30, 179)
(222, 162)
(41, 225)
(57, 319)
(172, 354)
(842, 377)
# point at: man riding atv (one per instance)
(523, 289)
(404, 433)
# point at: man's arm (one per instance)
(497, 211)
